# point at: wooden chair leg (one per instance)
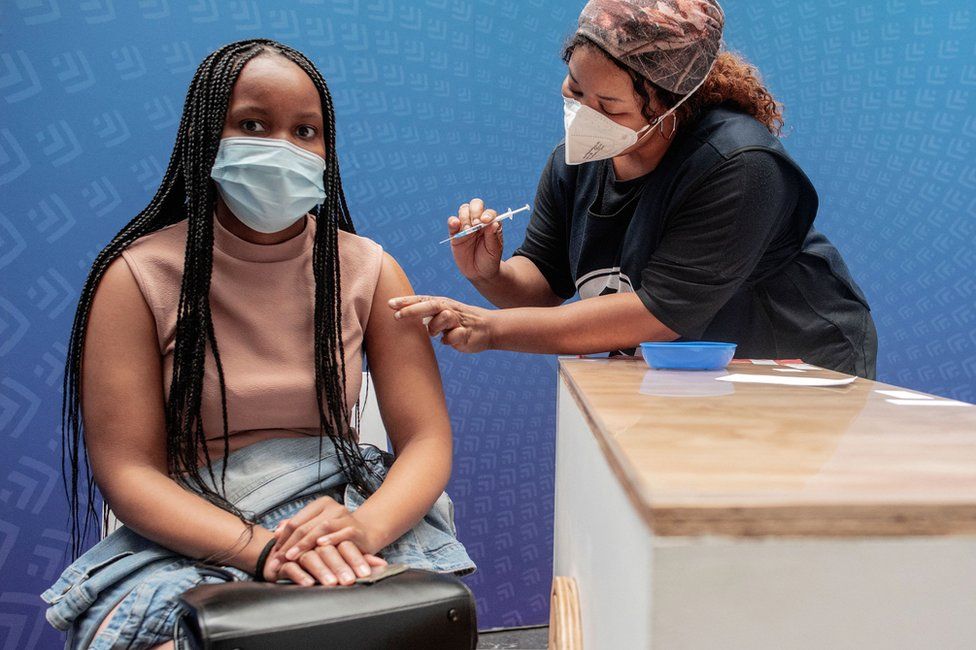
(565, 628)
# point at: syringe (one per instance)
(504, 215)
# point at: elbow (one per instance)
(434, 447)
(124, 488)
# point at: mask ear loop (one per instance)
(647, 130)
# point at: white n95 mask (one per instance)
(268, 184)
(591, 135)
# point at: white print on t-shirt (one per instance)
(603, 282)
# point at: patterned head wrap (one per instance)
(671, 43)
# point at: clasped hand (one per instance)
(323, 543)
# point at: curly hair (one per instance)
(733, 81)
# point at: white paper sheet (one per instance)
(785, 380)
(787, 370)
(764, 362)
(903, 394)
(926, 402)
(802, 366)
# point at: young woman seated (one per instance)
(215, 365)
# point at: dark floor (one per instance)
(531, 638)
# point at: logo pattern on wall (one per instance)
(438, 101)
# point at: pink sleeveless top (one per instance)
(262, 300)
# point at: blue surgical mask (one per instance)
(268, 184)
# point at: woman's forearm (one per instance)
(413, 484)
(518, 283)
(155, 506)
(600, 324)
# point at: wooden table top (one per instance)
(699, 456)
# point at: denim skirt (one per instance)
(270, 480)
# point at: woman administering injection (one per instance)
(671, 208)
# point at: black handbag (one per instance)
(413, 609)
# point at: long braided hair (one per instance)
(187, 192)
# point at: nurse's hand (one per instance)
(477, 256)
(465, 328)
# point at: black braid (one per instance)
(186, 191)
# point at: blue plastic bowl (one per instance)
(688, 355)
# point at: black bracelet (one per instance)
(262, 560)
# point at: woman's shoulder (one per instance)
(363, 257)
(155, 261)
(725, 139)
(353, 244)
(730, 131)
(167, 242)
(117, 297)
(361, 253)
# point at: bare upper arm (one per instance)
(403, 366)
(121, 383)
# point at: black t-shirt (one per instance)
(714, 242)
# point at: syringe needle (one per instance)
(473, 229)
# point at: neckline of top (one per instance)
(244, 250)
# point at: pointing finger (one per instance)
(403, 301)
(423, 310)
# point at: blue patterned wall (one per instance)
(438, 101)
